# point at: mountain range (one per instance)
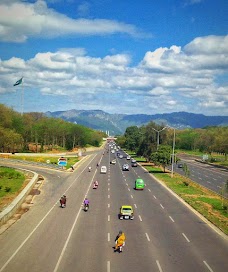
(116, 124)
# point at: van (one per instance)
(139, 184)
(103, 169)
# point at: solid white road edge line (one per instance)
(72, 228)
(41, 221)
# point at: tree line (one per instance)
(144, 142)
(18, 131)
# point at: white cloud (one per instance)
(209, 44)
(21, 20)
(168, 79)
(83, 9)
(158, 91)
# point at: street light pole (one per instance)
(174, 135)
(158, 131)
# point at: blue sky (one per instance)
(122, 56)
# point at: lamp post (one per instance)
(158, 131)
(174, 136)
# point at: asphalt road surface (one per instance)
(165, 236)
(209, 176)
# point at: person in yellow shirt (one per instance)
(120, 241)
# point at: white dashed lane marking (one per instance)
(207, 265)
(186, 238)
(147, 236)
(159, 267)
(171, 219)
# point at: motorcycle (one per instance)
(119, 249)
(63, 201)
(95, 185)
(86, 207)
(90, 168)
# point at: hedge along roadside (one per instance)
(11, 209)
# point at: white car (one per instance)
(128, 157)
(103, 169)
(113, 162)
(125, 167)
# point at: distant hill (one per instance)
(117, 123)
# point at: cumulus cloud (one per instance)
(167, 79)
(48, 23)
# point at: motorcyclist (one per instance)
(90, 168)
(86, 203)
(120, 241)
(95, 184)
(62, 201)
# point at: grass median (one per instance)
(45, 159)
(12, 183)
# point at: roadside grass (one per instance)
(209, 204)
(214, 158)
(11, 183)
(45, 159)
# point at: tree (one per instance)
(132, 136)
(162, 156)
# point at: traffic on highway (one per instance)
(133, 224)
(209, 176)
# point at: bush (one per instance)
(7, 189)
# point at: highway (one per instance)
(165, 235)
(209, 176)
